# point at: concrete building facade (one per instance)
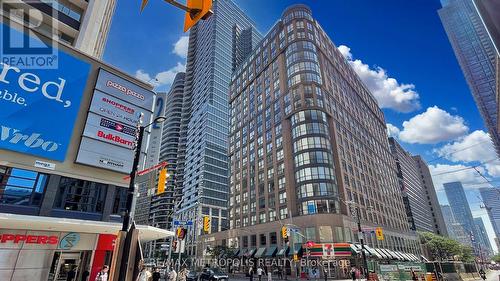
(431, 196)
(308, 146)
(417, 208)
(83, 25)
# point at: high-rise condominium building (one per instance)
(162, 205)
(308, 146)
(491, 200)
(431, 196)
(82, 24)
(216, 47)
(476, 53)
(410, 184)
(455, 230)
(482, 239)
(460, 208)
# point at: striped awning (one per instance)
(260, 252)
(271, 251)
(283, 251)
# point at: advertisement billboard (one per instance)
(110, 131)
(39, 106)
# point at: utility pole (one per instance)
(361, 240)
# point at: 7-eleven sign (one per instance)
(328, 250)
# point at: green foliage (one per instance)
(220, 251)
(496, 258)
(444, 248)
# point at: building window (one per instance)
(262, 239)
(120, 200)
(80, 195)
(21, 187)
(273, 238)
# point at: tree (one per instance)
(496, 258)
(220, 251)
(441, 248)
(466, 254)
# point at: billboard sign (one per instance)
(125, 90)
(117, 109)
(109, 136)
(38, 107)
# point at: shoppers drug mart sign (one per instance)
(38, 107)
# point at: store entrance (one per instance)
(65, 266)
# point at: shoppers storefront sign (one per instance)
(28, 239)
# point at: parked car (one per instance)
(213, 274)
(192, 276)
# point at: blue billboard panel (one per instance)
(38, 107)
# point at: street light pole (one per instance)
(361, 240)
(125, 253)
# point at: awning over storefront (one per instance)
(373, 252)
(388, 254)
(22, 222)
(260, 252)
(381, 253)
(250, 253)
(283, 251)
(242, 252)
(271, 252)
(236, 252)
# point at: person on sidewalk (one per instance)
(269, 276)
(156, 274)
(260, 271)
(103, 274)
(250, 273)
(353, 273)
(172, 275)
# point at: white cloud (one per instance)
(433, 126)
(163, 78)
(181, 47)
(392, 131)
(443, 173)
(387, 90)
(474, 147)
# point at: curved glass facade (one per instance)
(313, 163)
(302, 63)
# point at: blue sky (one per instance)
(399, 48)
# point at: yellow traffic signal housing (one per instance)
(162, 180)
(206, 224)
(284, 232)
(379, 233)
(200, 9)
(143, 4)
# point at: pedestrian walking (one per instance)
(144, 274)
(250, 273)
(269, 276)
(260, 271)
(85, 275)
(280, 273)
(414, 276)
(103, 274)
(172, 275)
(156, 274)
(325, 273)
(353, 273)
(183, 274)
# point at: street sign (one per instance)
(179, 223)
(149, 170)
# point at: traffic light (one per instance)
(284, 233)
(162, 180)
(200, 9)
(143, 4)
(379, 233)
(196, 10)
(206, 224)
(181, 233)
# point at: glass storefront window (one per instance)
(80, 195)
(120, 200)
(21, 187)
